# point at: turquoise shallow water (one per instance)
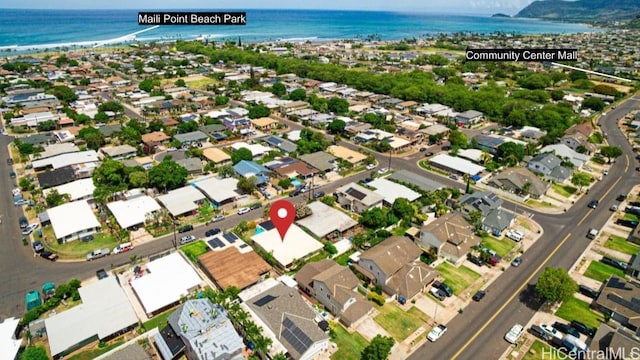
(21, 29)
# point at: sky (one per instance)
(451, 6)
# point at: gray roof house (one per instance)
(191, 137)
(451, 235)
(494, 218)
(469, 117)
(283, 145)
(193, 165)
(357, 198)
(520, 181)
(290, 320)
(619, 299)
(205, 330)
(320, 160)
(550, 166)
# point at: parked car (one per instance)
(185, 229)
(96, 254)
(318, 194)
(87, 238)
(37, 247)
(582, 328)
(243, 210)
(479, 295)
(29, 229)
(101, 274)
(383, 170)
(627, 223)
(516, 262)
(294, 193)
(515, 235)
(212, 232)
(454, 177)
(614, 207)
(566, 329)
(475, 260)
(551, 331)
(255, 206)
(444, 287)
(367, 180)
(124, 247)
(514, 334)
(371, 166)
(615, 263)
(12, 175)
(593, 204)
(9, 161)
(217, 218)
(621, 197)
(437, 293)
(49, 255)
(592, 234)
(588, 292)
(187, 239)
(539, 332)
(23, 222)
(436, 332)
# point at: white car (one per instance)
(514, 333)
(605, 172)
(122, 248)
(383, 170)
(551, 331)
(436, 332)
(29, 229)
(515, 235)
(187, 239)
(371, 166)
(243, 210)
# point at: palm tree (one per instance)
(485, 157)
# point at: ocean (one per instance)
(22, 30)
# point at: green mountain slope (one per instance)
(582, 10)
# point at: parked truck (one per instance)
(33, 300)
(48, 289)
(96, 254)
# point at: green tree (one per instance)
(278, 89)
(101, 117)
(577, 75)
(64, 93)
(610, 152)
(378, 349)
(338, 105)
(138, 179)
(284, 183)
(330, 248)
(557, 95)
(34, 353)
(336, 126)
(403, 209)
(112, 106)
(221, 100)
(93, 137)
(374, 218)
(581, 179)
(555, 285)
(241, 154)
(510, 153)
(382, 146)
(180, 83)
(54, 198)
(48, 125)
(187, 126)
(298, 95)
(475, 219)
(258, 111)
(146, 85)
(458, 139)
(167, 175)
(111, 174)
(593, 103)
(227, 171)
(247, 185)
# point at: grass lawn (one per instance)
(78, 248)
(350, 346)
(94, 353)
(158, 321)
(539, 203)
(194, 250)
(536, 350)
(619, 243)
(458, 278)
(601, 272)
(344, 258)
(576, 309)
(398, 323)
(501, 247)
(631, 217)
(564, 190)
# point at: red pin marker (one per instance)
(282, 214)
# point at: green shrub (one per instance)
(378, 299)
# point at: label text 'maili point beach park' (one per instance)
(192, 18)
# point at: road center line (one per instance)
(610, 188)
(525, 283)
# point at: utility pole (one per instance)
(389, 167)
(175, 239)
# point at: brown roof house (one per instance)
(395, 265)
(577, 136)
(230, 267)
(335, 287)
(620, 300)
(520, 181)
(153, 139)
(451, 234)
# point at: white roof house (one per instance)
(297, 244)
(257, 150)
(324, 220)
(391, 190)
(77, 190)
(72, 219)
(218, 190)
(62, 160)
(133, 211)
(9, 346)
(105, 310)
(169, 278)
(182, 200)
(474, 155)
(456, 164)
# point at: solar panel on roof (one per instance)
(230, 237)
(295, 336)
(355, 193)
(216, 243)
(243, 246)
(264, 300)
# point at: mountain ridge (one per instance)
(596, 11)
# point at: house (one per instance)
(390, 191)
(395, 265)
(613, 342)
(54, 150)
(520, 181)
(357, 198)
(72, 221)
(134, 212)
(455, 165)
(265, 123)
(468, 117)
(283, 145)
(9, 345)
(488, 143)
(346, 154)
(219, 191)
(411, 178)
(231, 266)
(81, 189)
(335, 287)
(531, 133)
(565, 152)
(88, 158)
(327, 222)
(205, 331)
(194, 137)
(39, 139)
(120, 152)
(192, 164)
(247, 169)
(579, 142)
(181, 201)
(292, 168)
(56, 177)
(108, 131)
(105, 303)
(297, 244)
(216, 156)
(288, 320)
(154, 139)
(617, 301)
(451, 235)
(320, 160)
(257, 150)
(494, 218)
(550, 166)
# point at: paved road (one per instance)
(478, 332)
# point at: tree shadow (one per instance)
(529, 297)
